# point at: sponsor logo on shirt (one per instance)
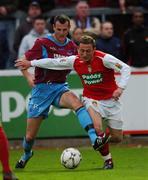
(53, 48)
(60, 49)
(90, 79)
(58, 55)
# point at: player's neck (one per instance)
(58, 40)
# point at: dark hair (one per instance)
(91, 34)
(62, 19)
(85, 39)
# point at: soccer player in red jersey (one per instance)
(4, 156)
(101, 92)
(50, 88)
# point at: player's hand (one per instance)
(22, 64)
(117, 93)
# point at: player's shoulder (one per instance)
(99, 54)
(78, 59)
(71, 41)
(45, 38)
(41, 40)
(72, 44)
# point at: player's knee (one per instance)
(71, 100)
(77, 105)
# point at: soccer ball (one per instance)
(70, 158)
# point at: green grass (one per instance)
(130, 164)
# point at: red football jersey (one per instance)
(98, 80)
(50, 48)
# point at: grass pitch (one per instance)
(130, 164)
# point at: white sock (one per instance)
(109, 156)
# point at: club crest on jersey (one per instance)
(89, 68)
(69, 53)
(94, 103)
(119, 66)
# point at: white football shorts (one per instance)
(110, 110)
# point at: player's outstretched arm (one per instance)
(55, 63)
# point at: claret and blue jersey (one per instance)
(49, 47)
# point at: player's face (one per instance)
(86, 52)
(61, 31)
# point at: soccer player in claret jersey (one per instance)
(4, 156)
(101, 92)
(49, 88)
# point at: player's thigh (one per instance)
(96, 118)
(116, 135)
(70, 100)
(33, 125)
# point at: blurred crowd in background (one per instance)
(120, 27)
